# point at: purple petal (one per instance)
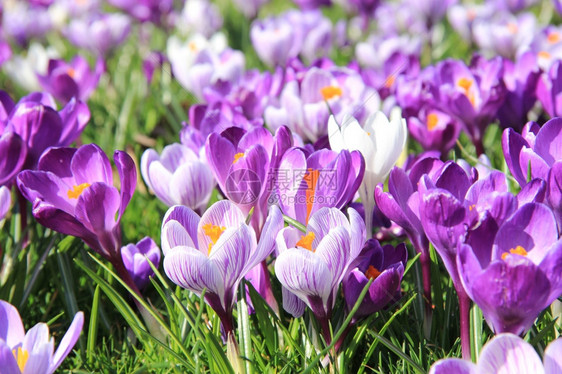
(128, 177)
(273, 225)
(9, 363)
(513, 144)
(334, 252)
(11, 327)
(303, 273)
(453, 365)
(292, 304)
(548, 143)
(509, 354)
(90, 164)
(532, 227)
(58, 161)
(220, 154)
(5, 201)
(325, 220)
(68, 341)
(190, 269)
(192, 185)
(75, 116)
(13, 152)
(179, 227)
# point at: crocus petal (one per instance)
(57, 160)
(191, 269)
(324, 220)
(532, 227)
(220, 153)
(90, 164)
(304, 274)
(68, 341)
(9, 363)
(5, 201)
(273, 225)
(192, 185)
(183, 224)
(39, 358)
(548, 143)
(13, 151)
(11, 327)
(553, 357)
(128, 177)
(292, 304)
(453, 365)
(160, 179)
(509, 354)
(334, 252)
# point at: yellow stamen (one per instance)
(330, 92)
(553, 37)
(544, 54)
(466, 84)
(71, 72)
(311, 179)
(372, 272)
(76, 191)
(21, 357)
(431, 121)
(471, 207)
(214, 232)
(237, 157)
(306, 241)
(516, 251)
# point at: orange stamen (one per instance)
(306, 241)
(193, 47)
(431, 120)
(76, 191)
(311, 179)
(544, 54)
(516, 251)
(71, 72)
(466, 84)
(213, 232)
(372, 272)
(553, 37)
(389, 82)
(330, 92)
(512, 27)
(237, 157)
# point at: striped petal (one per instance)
(509, 354)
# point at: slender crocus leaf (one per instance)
(93, 328)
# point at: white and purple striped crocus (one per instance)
(311, 266)
(506, 354)
(178, 176)
(32, 352)
(136, 257)
(5, 201)
(72, 193)
(215, 251)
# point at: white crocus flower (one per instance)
(380, 142)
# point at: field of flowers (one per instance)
(275, 186)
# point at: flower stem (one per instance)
(464, 311)
(426, 280)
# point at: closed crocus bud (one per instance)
(274, 41)
(380, 142)
(178, 176)
(136, 257)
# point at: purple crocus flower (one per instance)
(434, 130)
(471, 94)
(136, 257)
(274, 41)
(32, 352)
(312, 4)
(72, 193)
(215, 252)
(5, 51)
(5, 201)
(178, 176)
(99, 33)
(312, 266)
(516, 275)
(23, 22)
(506, 354)
(75, 79)
(250, 8)
(385, 265)
(13, 152)
(245, 166)
(200, 16)
(308, 182)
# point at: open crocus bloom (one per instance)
(506, 354)
(72, 193)
(313, 265)
(136, 257)
(32, 352)
(516, 275)
(215, 252)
